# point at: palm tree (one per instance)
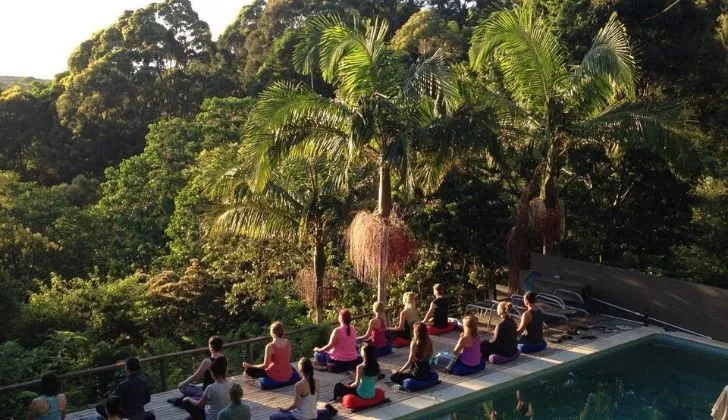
(549, 108)
(296, 202)
(376, 112)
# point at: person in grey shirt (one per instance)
(216, 395)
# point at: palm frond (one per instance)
(527, 53)
(285, 117)
(659, 126)
(608, 70)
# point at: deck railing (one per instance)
(89, 386)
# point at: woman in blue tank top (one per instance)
(50, 405)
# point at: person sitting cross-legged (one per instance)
(306, 394)
(277, 360)
(531, 321)
(339, 354)
(367, 374)
(407, 318)
(418, 361)
(504, 342)
(437, 314)
(186, 387)
(133, 392)
(217, 395)
(377, 332)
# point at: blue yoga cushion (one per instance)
(531, 348)
(412, 384)
(461, 369)
(383, 351)
(268, 383)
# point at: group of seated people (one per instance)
(216, 398)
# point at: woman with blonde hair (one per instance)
(407, 318)
(418, 361)
(468, 347)
(277, 361)
(377, 332)
(505, 340)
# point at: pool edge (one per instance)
(493, 381)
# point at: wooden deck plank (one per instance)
(263, 403)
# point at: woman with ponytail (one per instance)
(306, 394)
(504, 341)
(340, 354)
(367, 374)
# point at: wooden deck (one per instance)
(263, 403)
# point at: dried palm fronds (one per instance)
(379, 245)
(306, 283)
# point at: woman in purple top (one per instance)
(468, 346)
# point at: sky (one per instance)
(37, 36)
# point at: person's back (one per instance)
(307, 404)
(379, 338)
(218, 398)
(534, 329)
(471, 354)
(280, 368)
(366, 387)
(440, 316)
(134, 394)
(345, 347)
(207, 376)
(506, 341)
(53, 403)
(234, 411)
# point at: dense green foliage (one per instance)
(113, 176)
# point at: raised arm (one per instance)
(332, 343)
(298, 390)
(204, 366)
(430, 312)
(370, 330)
(400, 325)
(463, 342)
(267, 360)
(410, 359)
(525, 320)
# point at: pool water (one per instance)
(661, 378)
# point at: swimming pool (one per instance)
(655, 378)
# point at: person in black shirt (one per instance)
(504, 341)
(531, 321)
(133, 392)
(437, 314)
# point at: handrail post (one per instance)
(163, 373)
(249, 352)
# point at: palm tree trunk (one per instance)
(319, 268)
(551, 230)
(385, 190)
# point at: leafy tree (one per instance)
(425, 32)
(137, 200)
(550, 108)
(374, 113)
(154, 61)
(298, 201)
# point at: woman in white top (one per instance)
(306, 394)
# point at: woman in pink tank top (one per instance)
(468, 347)
(277, 362)
(377, 331)
(340, 354)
